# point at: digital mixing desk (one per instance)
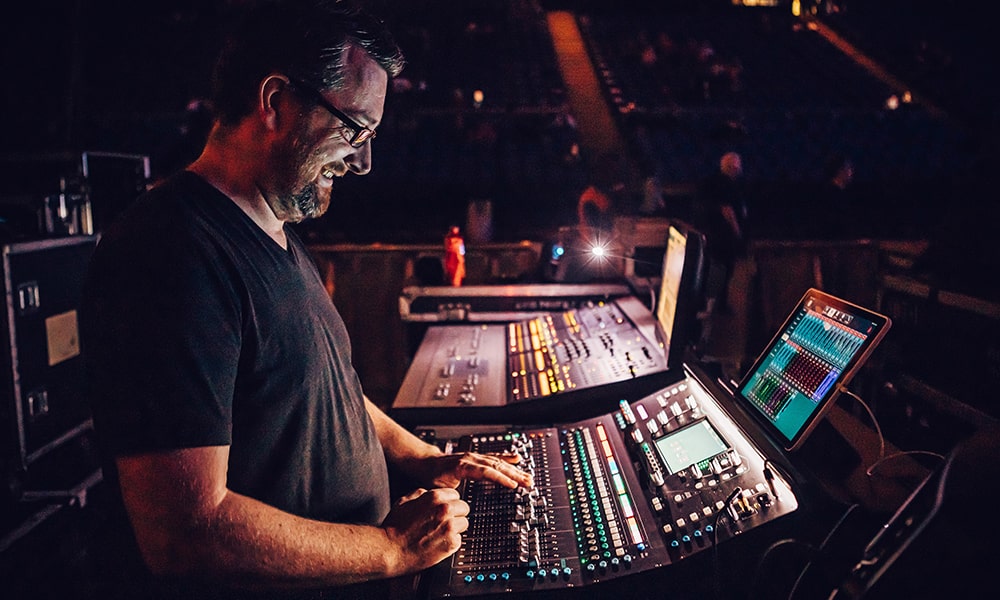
(577, 362)
(639, 488)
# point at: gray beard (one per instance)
(303, 204)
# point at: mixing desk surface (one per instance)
(545, 366)
(640, 488)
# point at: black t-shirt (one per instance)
(200, 330)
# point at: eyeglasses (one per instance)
(362, 135)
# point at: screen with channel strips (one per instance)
(805, 363)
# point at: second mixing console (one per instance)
(546, 365)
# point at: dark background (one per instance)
(129, 77)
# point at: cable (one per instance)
(878, 429)
(882, 458)
(718, 515)
(716, 583)
(759, 567)
(769, 476)
(821, 548)
(894, 455)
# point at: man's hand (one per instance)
(427, 527)
(428, 466)
(448, 470)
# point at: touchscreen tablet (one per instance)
(818, 349)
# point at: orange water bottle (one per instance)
(454, 256)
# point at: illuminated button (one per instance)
(468, 579)
(493, 576)
(626, 412)
(707, 511)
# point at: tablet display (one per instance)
(816, 351)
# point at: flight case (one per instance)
(42, 406)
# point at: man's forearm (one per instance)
(246, 542)
(187, 522)
(400, 445)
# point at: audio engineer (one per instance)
(248, 461)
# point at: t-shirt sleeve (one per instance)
(161, 335)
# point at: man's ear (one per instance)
(272, 90)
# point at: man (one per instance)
(721, 213)
(837, 211)
(245, 453)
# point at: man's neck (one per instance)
(231, 171)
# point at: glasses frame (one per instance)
(362, 135)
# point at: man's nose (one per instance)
(360, 160)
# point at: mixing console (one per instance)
(566, 356)
(640, 488)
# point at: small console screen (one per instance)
(670, 283)
(691, 445)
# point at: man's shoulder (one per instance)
(176, 192)
(172, 207)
